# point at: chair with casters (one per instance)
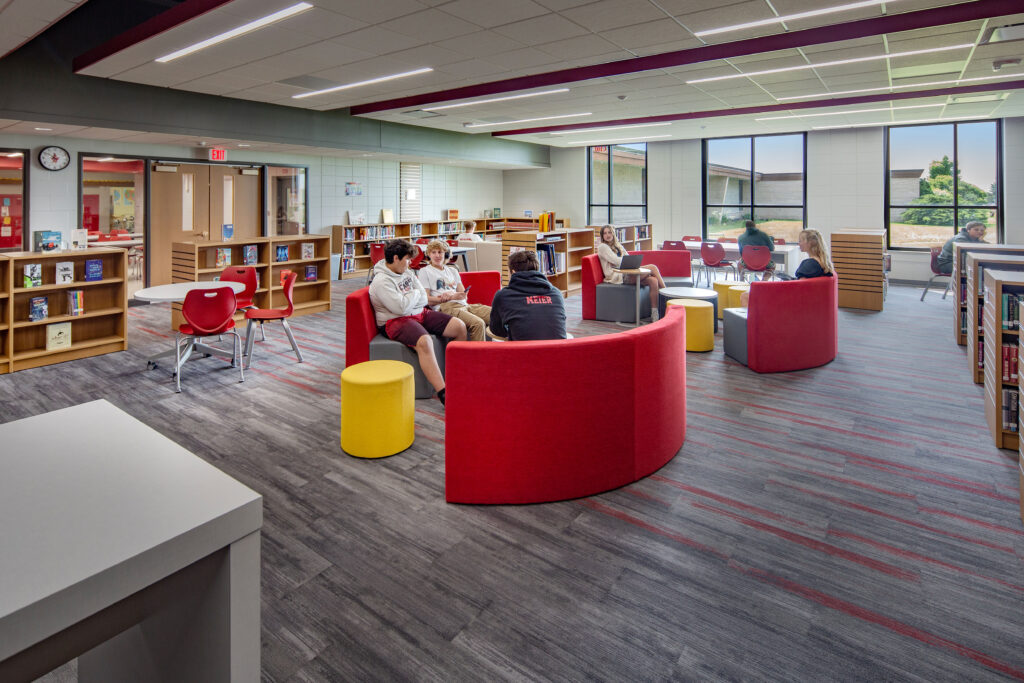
(247, 276)
(376, 254)
(207, 313)
(262, 315)
(712, 254)
(935, 251)
(755, 260)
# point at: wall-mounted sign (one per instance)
(218, 154)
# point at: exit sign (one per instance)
(218, 154)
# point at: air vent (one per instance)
(1003, 34)
(420, 114)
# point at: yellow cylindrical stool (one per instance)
(378, 407)
(700, 323)
(734, 294)
(722, 288)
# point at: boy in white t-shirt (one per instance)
(446, 294)
(469, 232)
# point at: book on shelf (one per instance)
(546, 255)
(387, 215)
(348, 250)
(281, 253)
(249, 255)
(58, 336)
(93, 270)
(415, 229)
(643, 232)
(38, 308)
(308, 250)
(223, 256)
(79, 239)
(33, 275)
(65, 272)
(451, 215)
(76, 302)
(377, 232)
(496, 212)
(1010, 409)
(981, 354)
(356, 217)
(620, 234)
(310, 273)
(227, 231)
(348, 265)
(350, 233)
(46, 240)
(1011, 311)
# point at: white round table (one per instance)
(176, 291)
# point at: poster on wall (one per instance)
(353, 189)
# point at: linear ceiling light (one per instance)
(596, 130)
(623, 141)
(897, 87)
(539, 118)
(496, 99)
(902, 123)
(238, 31)
(360, 83)
(835, 63)
(792, 17)
(854, 111)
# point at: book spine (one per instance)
(1006, 362)
(1013, 362)
(1004, 318)
(981, 354)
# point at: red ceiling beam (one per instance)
(165, 21)
(894, 23)
(765, 108)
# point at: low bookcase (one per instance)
(1002, 338)
(632, 236)
(98, 329)
(976, 263)
(1020, 421)
(309, 296)
(563, 252)
(959, 280)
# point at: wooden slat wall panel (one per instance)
(857, 257)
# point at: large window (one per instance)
(760, 178)
(13, 199)
(286, 200)
(924, 207)
(618, 184)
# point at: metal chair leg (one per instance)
(177, 362)
(249, 339)
(946, 291)
(237, 353)
(288, 331)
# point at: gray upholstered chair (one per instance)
(617, 303)
(382, 348)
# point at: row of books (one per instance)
(39, 306)
(376, 232)
(1010, 410)
(221, 256)
(32, 273)
(963, 321)
(1011, 312)
(643, 232)
(348, 265)
(1009, 354)
(552, 262)
(449, 228)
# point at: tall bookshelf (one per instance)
(959, 279)
(975, 265)
(523, 223)
(5, 305)
(1020, 421)
(568, 247)
(999, 401)
(99, 329)
(353, 241)
(632, 236)
(857, 256)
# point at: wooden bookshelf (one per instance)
(858, 259)
(959, 279)
(1020, 421)
(997, 283)
(353, 241)
(523, 223)
(309, 296)
(569, 247)
(632, 236)
(975, 265)
(100, 329)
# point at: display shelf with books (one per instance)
(975, 263)
(309, 255)
(523, 223)
(78, 309)
(1020, 422)
(1003, 290)
(5, 303)
(633, 236)
(562, 266)
(959, 279)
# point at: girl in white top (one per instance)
(469, 233)
(610, 252)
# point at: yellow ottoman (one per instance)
(722, 288)
(378, 407)
(734, 294)
(700, 323)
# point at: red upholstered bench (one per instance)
(538, 421)
(673, 264)
(674, 267)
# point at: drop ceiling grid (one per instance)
(21, 20)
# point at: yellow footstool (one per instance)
(722, 288)
(734, 294)
(378, 407)
(700, 323)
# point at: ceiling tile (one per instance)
(586, 46)
(490, 13)
(321, 23)
(728, 15)
(377, 41)
(480, 44)
(606, 15)
(471, 68)
(372, 12)
(525, 57)
(649, 33)
(432, 25)
(559, 5)
(541, 30)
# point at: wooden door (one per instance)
(227, 184)
(169, 221)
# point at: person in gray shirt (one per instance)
(972, 232)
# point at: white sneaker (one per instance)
(654, 315)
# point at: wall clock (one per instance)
(54, 158)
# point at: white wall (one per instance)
(561, 188)
(1013, 177)
(674, 189)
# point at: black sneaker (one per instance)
(440, 396)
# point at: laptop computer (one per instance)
(631, 261)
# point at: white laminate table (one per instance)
(638, 272)
(455, 251)
(121, 548)
(123, 244)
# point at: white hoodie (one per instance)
(394, 295)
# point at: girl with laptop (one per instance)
(610, 252)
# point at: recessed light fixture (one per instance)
(596, 130)
(837, 62)
(616, 142)
(242, 144)
(237, 31)
(43, 129)
(106, 159)
(497, 99)
(539, 118)
(901, 123)
(793, 17)
(897, 87)
(359, 83)
(854, 111)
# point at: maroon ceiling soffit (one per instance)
(787, 106)
(893, 23)
(165, 21)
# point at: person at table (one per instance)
(445, 292)
(817, 263)
(972, 232)
(399, 306)
(610, 251)
(469, 228)
(753, 236)
(530, 307)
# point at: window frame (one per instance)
(26, 228)
(887, 207)
(610, 204)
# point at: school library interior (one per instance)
(535, 340)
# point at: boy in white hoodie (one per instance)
(399, 305)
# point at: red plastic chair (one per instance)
(262, 315)
(935, 251)
(207, 313)
(779, 240)
(454, 259)
(755, 260)
(376, 254)
(247, 276)
(696, 263)
(713, 256)
(418, 259)
(673, 245)
(728, 240)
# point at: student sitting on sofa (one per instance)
(469, 233)
(818, 264)
(445, 292)
(399, 302)
(610, 251)
(530, 307)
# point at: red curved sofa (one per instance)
(671, 263)
(540, 421)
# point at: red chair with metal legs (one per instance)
(713, 256)
(207, 313)
(376, 254)
(728, 240)
(696, 264)
(936, 273)
(419, 259)
(755, 260)
(262, 315)
(779, 240)
(247, 276)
